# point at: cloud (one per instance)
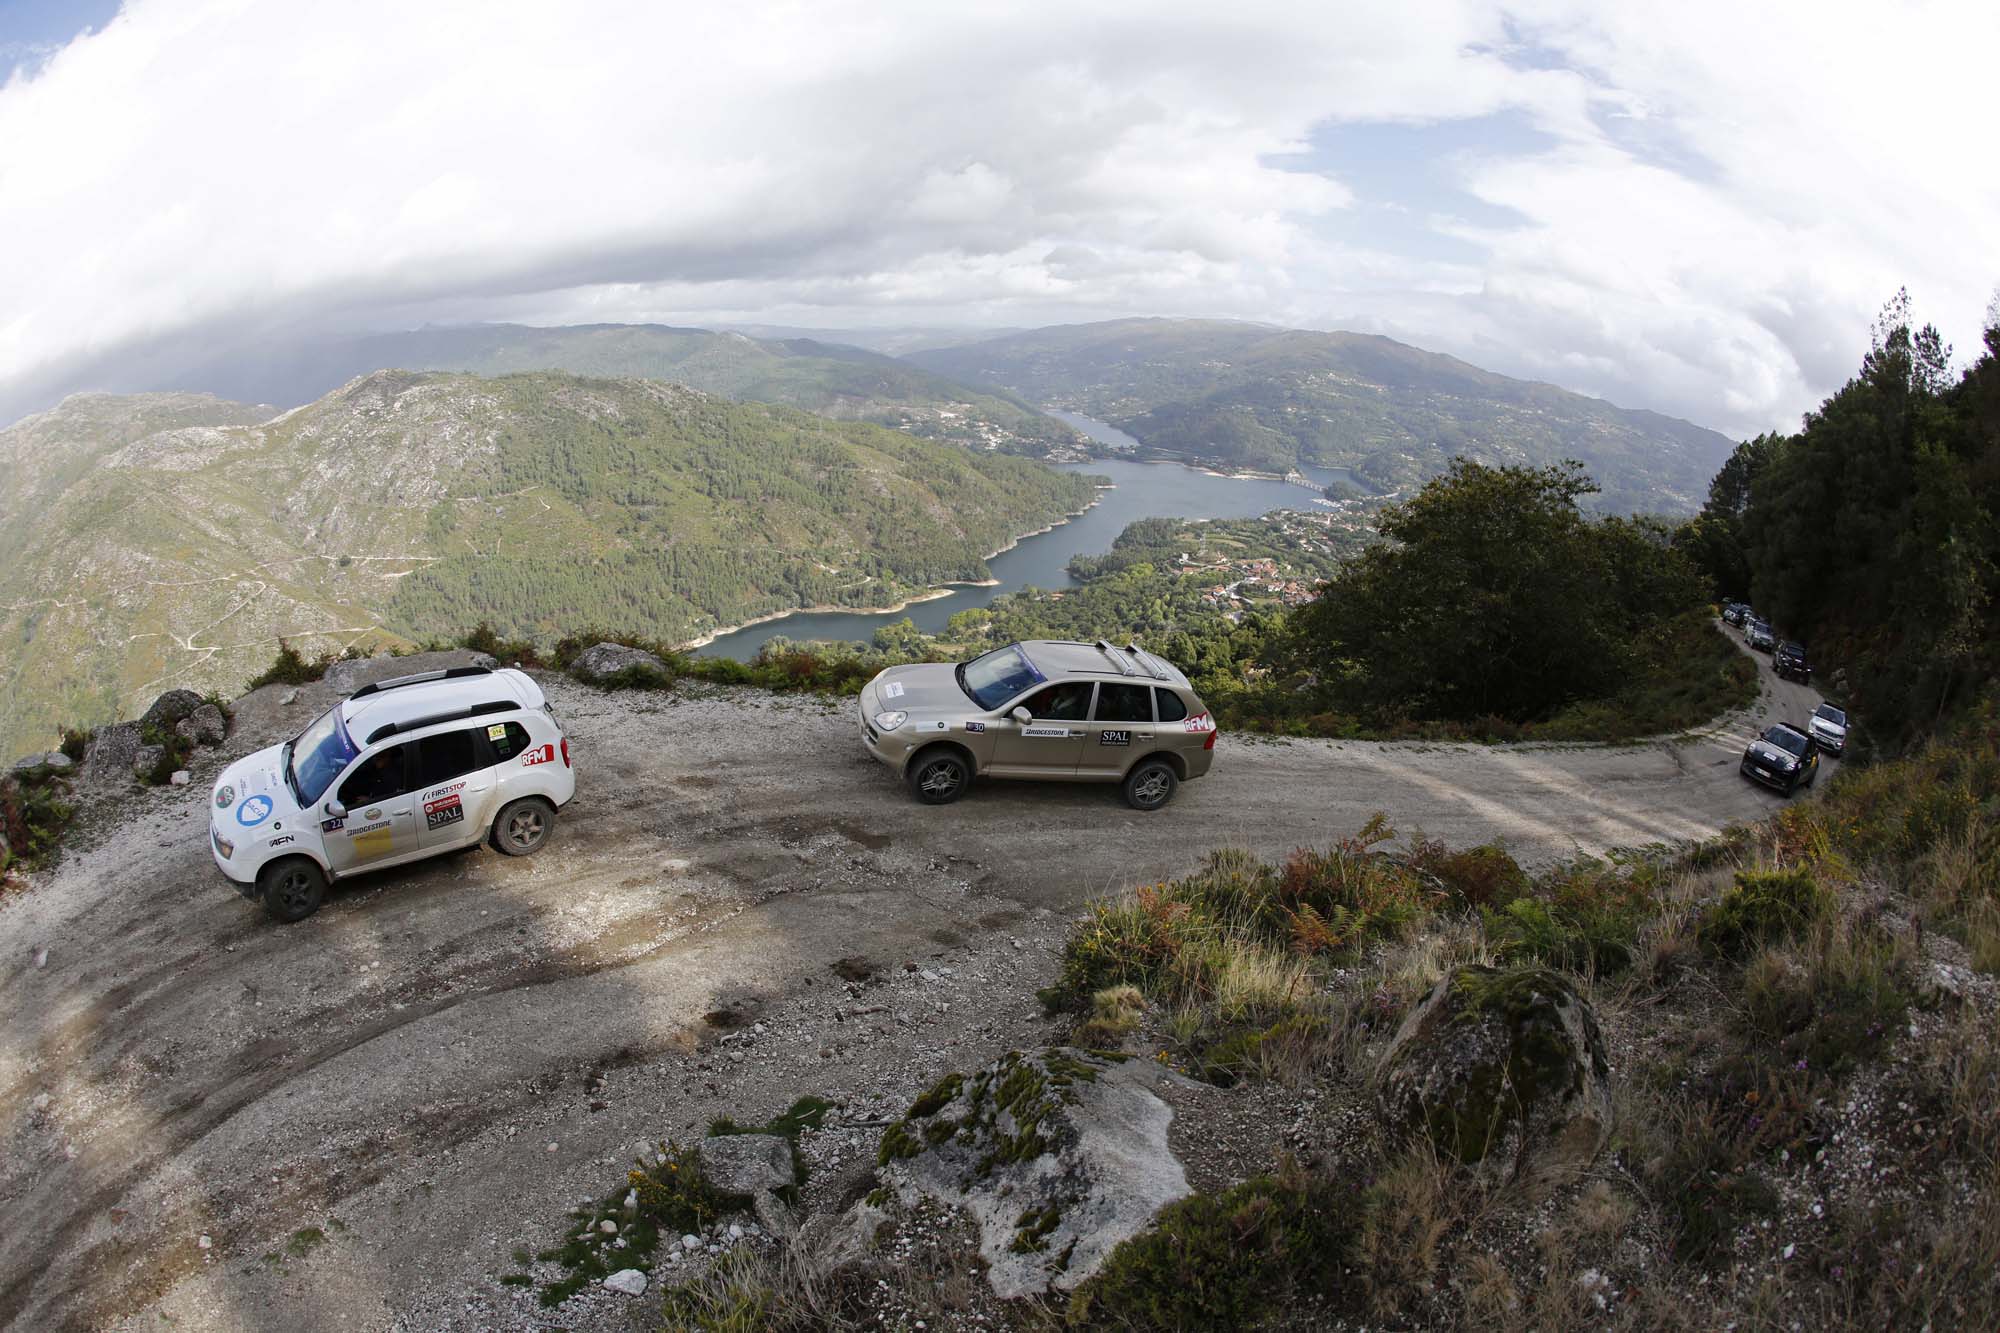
(1695, 211)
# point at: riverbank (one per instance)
(933, 594)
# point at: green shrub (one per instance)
(1761, 907)
(74, 743)
(175, 749)
(1221, 1261)
(483, 638)
(290, 667)
(34, 813)
(1478, 877)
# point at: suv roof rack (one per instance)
(1155, 668)
(1118, 659)
(421, 678)
(449, 715)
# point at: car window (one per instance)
(1171, 707)
(1066, 702)
(507, 739)
(442, 758)
(379, 776)
(1123, 703)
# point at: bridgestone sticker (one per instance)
(1047, 733)
(1114, 738)
(445, 810)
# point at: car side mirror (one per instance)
(1021, 714)
(336, 810)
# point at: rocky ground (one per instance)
(208, 1120)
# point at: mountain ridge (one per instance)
(1246, 395)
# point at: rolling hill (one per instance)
(164, 540)
(1255, 397)
(826, 378)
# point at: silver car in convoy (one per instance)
(1828, 729)
(1052, 709)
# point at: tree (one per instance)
(1493, 597)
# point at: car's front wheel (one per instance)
(1151, 784)
(292, 888)
(939, 777)
(523, 826)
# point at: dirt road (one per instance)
(213, 1121)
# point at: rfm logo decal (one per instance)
(545, 755)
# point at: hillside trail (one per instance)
(210, 1120)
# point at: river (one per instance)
(1140, 490)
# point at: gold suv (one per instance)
(1051, 709)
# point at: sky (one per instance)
(1695, 208)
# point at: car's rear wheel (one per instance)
(939, 777)
(523, 826)
(292, 889)
(1150, 784)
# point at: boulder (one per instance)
(169, 709)
(748, 1164)
(206, 725)
(347, 677)
(1058, 1155)
(55, 761)
(111, 752)
(147, 758)
(1504, 1071)
(628, 1281)
(601, 661)
(180, 777)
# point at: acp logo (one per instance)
(254, 811)
(224, 796)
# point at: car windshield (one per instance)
(1787, 740)
(997, 677)
(318, 755)
(1828, 713)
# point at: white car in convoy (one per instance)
(397, 771)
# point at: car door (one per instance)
(1050, 744)
(1121, 726)
(379, 825)
(454, 788)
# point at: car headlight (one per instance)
(222, 844)
(891, 720)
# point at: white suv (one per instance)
(397, 771)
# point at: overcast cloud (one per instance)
(1695, 208)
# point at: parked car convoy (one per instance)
(1783, 757)
(1828, 728)
(1789, 661)
(1053, 710)
(398, 771)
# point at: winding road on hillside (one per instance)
(451, 1054)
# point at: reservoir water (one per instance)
(1140, 490)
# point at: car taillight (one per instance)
(565, 741)
(1209, 742)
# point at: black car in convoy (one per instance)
(1735, 613)
(1783, 757)
(1789, 661)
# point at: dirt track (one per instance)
(181, 1067)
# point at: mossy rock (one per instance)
(1057, 1154)
(1502, 1070)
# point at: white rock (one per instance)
(181, 778)
(288, 698)
(608, 1227)
(690, 1242)
(41, 1102)
(628, 1280)
(735, 1232)
(552, 1147)
(41, 958)
(1788, 1251)
(204, 1241)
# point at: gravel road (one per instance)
(432, 1069)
